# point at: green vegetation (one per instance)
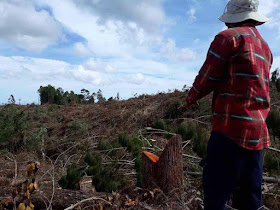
(173, 111)
(275, 75)
(271, 163)
(200, 143)
(161, 124)
(200, 137)
(36, 138)
(278, 85)
(105, 179)
(12, 126)
(273, 123)
(71, 179)
(204, 108)
(105, 145)
(48, 94)
(134, 146)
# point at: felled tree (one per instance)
(165, 171)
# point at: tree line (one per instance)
(48, 94)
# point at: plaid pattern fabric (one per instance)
(237, 69)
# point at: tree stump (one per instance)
(166, 171)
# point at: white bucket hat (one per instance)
(240, 10)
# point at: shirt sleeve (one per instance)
(213, 70)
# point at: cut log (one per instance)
(166, 171)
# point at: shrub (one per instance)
(200, 143)
(93, 160)
(35, 139)
(134, 146)
(53, 107)
(71, 179)
(173, 111)
(278, 85)
(160, 124)
(271, 163)
(204, 108)
(187, 130)
(75, 125)
(104, 145)
(103, 178)
(12, 124)
(123, 139)
(273, 122)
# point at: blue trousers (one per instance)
(229, 170)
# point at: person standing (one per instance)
(237, 70)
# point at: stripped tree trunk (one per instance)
(166, 171)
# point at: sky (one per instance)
(119, 46)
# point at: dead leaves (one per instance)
(26, 188)
(151, 194)
(33, 186)
(26, 205)
(120, 201)
(32, 167)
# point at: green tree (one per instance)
(275, 75)
(11, 100)
(47, 94)
(58, 97)
(100, 97)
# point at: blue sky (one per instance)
(125, 46)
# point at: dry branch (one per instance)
(190, 156)
(265, 178)
(85, 200)
(273, 149)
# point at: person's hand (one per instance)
(186, 106)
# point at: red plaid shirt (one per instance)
(237, 69)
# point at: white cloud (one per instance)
(137, 79)
(21, 24)
(268, 7)
(120, 35)
(81, 49)
(191, 15)
(86, 76)
(145, 13)
(173, 53)
(98, 65)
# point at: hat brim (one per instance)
(242, 16)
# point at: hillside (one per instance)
(68, 139)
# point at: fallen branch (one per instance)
(186, 143)
(190, 156)
(271, 194)
(85, 200)
(265, 178)
(205, 116)
(273, 149)
(13, 183)
(53, 183)
(271, 179)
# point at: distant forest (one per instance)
(48, 94)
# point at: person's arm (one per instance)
(212, 72)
